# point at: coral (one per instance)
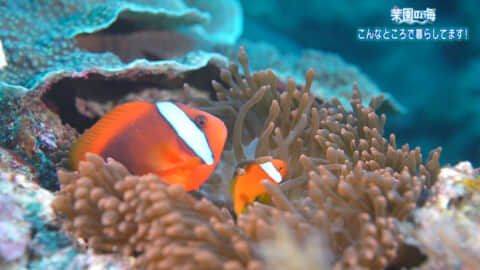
(14, 230)
(13, 164)
(225, 23)
(71, 258)
(454, 188)
(115, 211)
(29, 238)
(152, 45)
(36, 134)
(24, 216)
(42, 34)
(334, 76)
(449, 241)
(446, 228)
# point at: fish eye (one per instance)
(200, 121)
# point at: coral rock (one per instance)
(447, 228)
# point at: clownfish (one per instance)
(246, 187)
(470, 183)
(180, 144)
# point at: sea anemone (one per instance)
(164, 226)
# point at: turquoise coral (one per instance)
(39, 40)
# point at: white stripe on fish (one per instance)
(271, 171)
(187, 130)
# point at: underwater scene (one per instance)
(235, 134)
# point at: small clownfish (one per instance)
(247, 188)
(471, 183)
(180, 144)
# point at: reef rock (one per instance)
(447, 228)
(29, 237)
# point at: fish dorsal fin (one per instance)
(244, 164)
(114, 122)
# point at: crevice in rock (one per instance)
(131, 40)
(151, 45)
(63, 94)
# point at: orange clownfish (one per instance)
(180, 144)
(247, 188)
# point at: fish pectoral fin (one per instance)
(179, 175)
(182, 168)
(264, 198)
(473, 184)
(166, 157)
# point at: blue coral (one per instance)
(38, 35)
